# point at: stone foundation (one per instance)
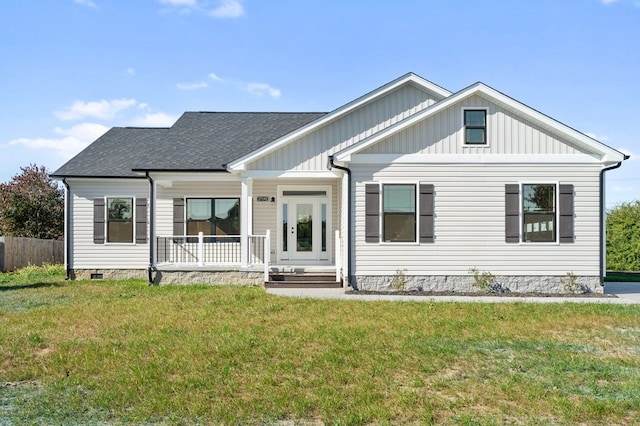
(548, 284)
(174, 276)
(108, 274)
(209, 277)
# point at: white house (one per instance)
(409, 180)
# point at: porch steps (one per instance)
(302, 281)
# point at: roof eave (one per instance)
(494, 96)
(240, 164)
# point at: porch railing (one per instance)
(202, 250)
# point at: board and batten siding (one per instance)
(209, 189)
(87, 254)
(470, 222)
(310, 152)
(507, 133)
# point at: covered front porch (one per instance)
(273, 225)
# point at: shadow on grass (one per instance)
(28, 286)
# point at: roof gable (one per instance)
(607, 154)
(407, 79)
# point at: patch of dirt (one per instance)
(478, 294)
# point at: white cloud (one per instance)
(70, 142)
(192, 86)
(608, 1)
(188, 3)
(158, 119)
(215, 77)
(228, 9)
(260, 89)
(131, 71)
(215, 8)
(102, 109)
(88, 3)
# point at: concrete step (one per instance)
(302, 281)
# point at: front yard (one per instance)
(122, 352)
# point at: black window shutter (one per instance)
(512, 213)
(566, 214)
(141, 220)
(98, 220)
(372, 213)
(178, 217)
(426, 213)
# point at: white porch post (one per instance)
(267, 254)
(200, 249)
(338, 255)
(246, 219)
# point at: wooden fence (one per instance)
(18, 252)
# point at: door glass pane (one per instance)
(304, 225)
(285, 234)
(324, 227)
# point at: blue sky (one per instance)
(71, 69)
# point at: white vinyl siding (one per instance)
(85, 253)
(470, 222)
(311, 151)
(507, 133)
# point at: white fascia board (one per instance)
(474, 159)
(240, 164)
(536, 116)
(492, 95)
(271, 174)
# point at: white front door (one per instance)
(304, 228)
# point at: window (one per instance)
(399, 213)
(120, 220)
(539, 212)
(213, 216)
(475, 127)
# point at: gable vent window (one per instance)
(475, 127)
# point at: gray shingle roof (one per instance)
(204, 141)
(113, 153)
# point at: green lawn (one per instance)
(121, 352)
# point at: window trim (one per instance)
(186, 200)
(485, 127)
(416, 213)
(556, 185)
(133, 221)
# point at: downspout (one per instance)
(602, 217)
(152, 207)
(67, 228)
(348, 239)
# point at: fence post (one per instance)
(267, 254)
(200, 249)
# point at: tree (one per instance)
(31, 205)
(623, 237)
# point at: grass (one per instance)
(120, 352)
